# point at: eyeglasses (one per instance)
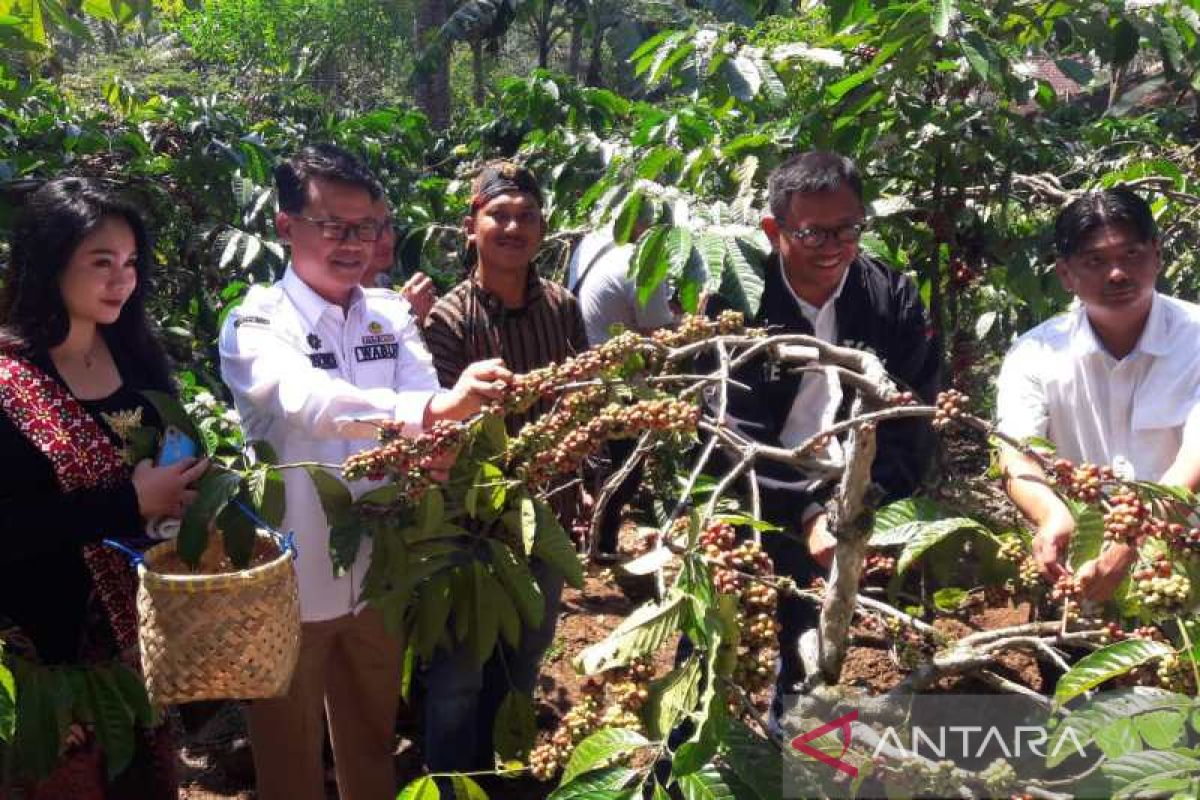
(815, 237)
(339, 231)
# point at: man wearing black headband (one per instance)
(503, 309)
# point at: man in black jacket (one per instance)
(818, 283)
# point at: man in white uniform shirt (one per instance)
(1115, 380)
(313, 362)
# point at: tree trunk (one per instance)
(575, 55)
(593, 70)
(477, 70)
(432, 80)
(545, 27)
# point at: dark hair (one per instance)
(1094, 211)
(326, 161)
(809, 173)
(33, 317)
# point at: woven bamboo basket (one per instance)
(228, 635)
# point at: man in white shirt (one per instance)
(313, 362)
(1115, 380)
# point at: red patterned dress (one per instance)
(64, 597)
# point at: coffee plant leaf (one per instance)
(238, 531)
(431, 512)
(345, 539)
(514, 731)
(133, 691)
(922, 536)
(8, 702)
(554, 546)
(335, 498)
(627, 216)
(1119, 739)
(465, 788)
(600, 784)
(709, 783)
(423, 788)
(484, 625)
(266, 493)
(507, 616)
(752, 758)
(1135, 773)
(639, 634)
(1088, 538)
(893, 523)
(172, 413)
(518, 581)
(111, 720)
(603, 746)
(1107, 663)
(672, 697)
(214, 491)
(1084, 723)
(433, 611)
(1161, 730)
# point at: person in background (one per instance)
(418, 290)
(819, 283)
(598, 275)
(76, 353)
(314, 362)
(1114, 381)
(505, 310)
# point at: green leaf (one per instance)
(601, 747)
(518, 581)
(924, 535)
(466, 788)
(112, 721)
(528, 516)
(627, 217)
(1080, 727)
(679, 252)
(238, 532)
(844, 13)
(943, 11)
(1119, 739)
(1135, 768)
(752, 758)
(214, 491)
(554, 546)
(433, 611)
(267, 493)
(742, 279)
(335, 498)
(641, 633)
(8, 703)
(431, 512)
(1107, 663)
(950, 599)
(892, 522)
(672, 697)
(172, 413)
(43, 700)
(706, 784)
(423, 788)
(1161, 730)
(514, 731)
(484, 626)
(1088, 538)
(601, 784)
(649, 264)
(344, 542)
(977, 51)
(133, 691)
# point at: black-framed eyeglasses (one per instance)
(815, 237)
(339, 231)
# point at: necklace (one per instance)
(89, 358)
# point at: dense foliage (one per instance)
(973, 121)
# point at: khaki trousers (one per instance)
(350, 669)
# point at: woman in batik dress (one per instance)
(75, 353)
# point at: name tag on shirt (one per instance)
(376, 352)
(323, 360)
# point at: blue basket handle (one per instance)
(286, 541)
(135, 558)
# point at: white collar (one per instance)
(807, 308)
(1154, 341)
(310, 304)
